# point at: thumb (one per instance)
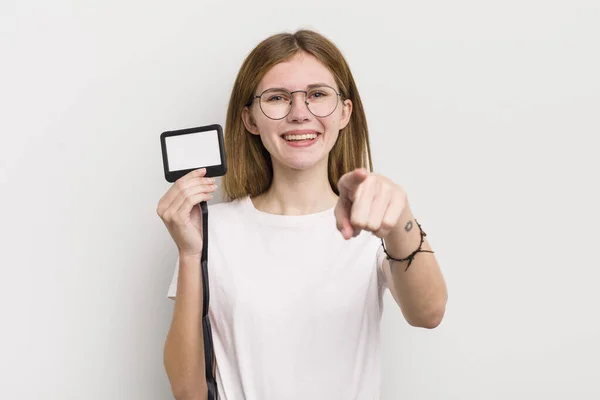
(342, 216)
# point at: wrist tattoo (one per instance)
(408, 226)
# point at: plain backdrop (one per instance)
(486, 113)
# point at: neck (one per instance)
(297, 192)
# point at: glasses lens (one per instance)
(322, 101)
(275, 103)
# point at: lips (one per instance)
(299, 143)
(301, 132)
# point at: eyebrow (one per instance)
(311, 86)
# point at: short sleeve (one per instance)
(171, 293)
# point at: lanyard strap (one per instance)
(209, 354)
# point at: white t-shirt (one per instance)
(295, 309)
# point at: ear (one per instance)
(346, 113)
(249, 121)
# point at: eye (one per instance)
(277, 98)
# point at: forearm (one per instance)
(184, 346)
(420, 291)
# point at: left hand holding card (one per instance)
(189, 149)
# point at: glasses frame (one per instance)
(292, 101)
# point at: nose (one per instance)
(299, 111)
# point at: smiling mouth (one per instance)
(300, 140)
(299, 137)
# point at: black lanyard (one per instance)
(209, 353)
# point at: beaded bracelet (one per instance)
(411, 256)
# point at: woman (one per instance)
(300, 250)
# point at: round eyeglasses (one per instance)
(276, 103)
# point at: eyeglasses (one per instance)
(277, 103)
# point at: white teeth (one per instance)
(300, 137)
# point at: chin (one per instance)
(304, 164)
(305, 159)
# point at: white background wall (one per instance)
(487, 113)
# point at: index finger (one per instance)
(173, 191)
(352, 180)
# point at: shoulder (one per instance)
(227, 206)
(230, 211)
